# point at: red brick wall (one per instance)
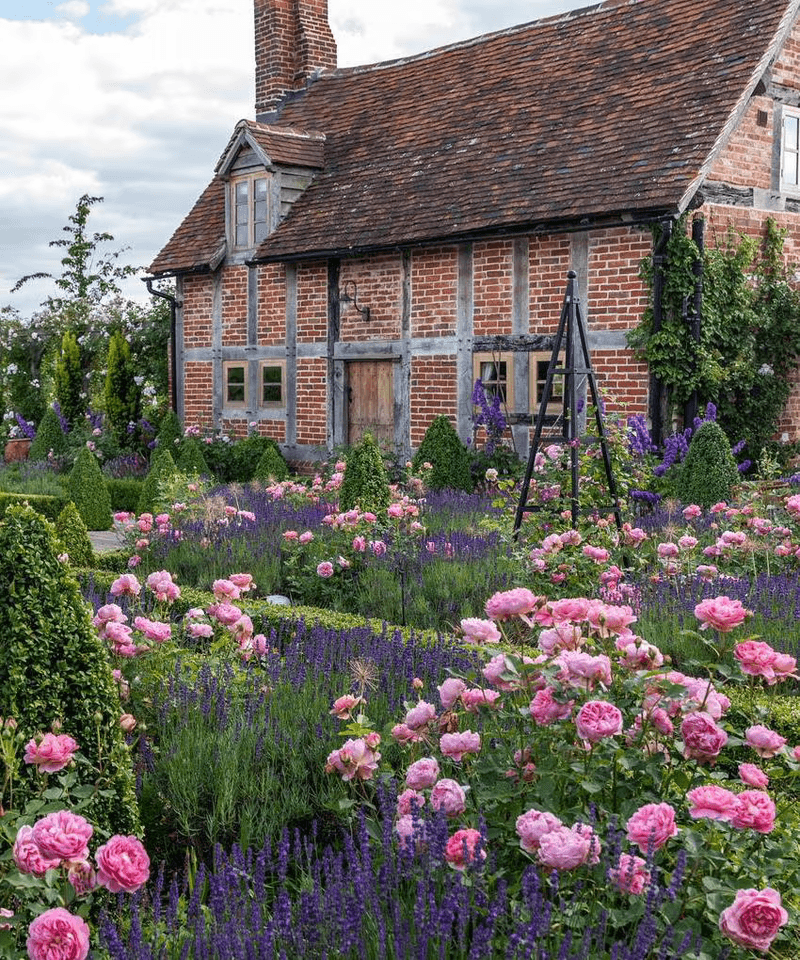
(622, 382)
(491, 269)
(311, 401)
(434, 292)
(617, 297)
(234, 306)
(271, 304)
(378, 281)
(433, 392)
(746, 160)
(276, 429)
(312, 302)
(549, 259)
(199, 393)
(197, 300)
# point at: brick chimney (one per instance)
(293, 41)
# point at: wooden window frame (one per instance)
(250, 224)
(227, 367)
(556, 405)
(507, 357)
(271, 404)
(790, 151)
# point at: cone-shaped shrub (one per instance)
(366, 482)
(169, 431)
(54, 667)
(49, 436)
(68, 377)
(74, 537)
(709, 471)
(442, 448)
(272, 465)
(88, 491)
(122, 396)
(191, 460)
(162, 466)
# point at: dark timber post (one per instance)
(695, 316)
(657, 391)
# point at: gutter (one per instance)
(174, 303)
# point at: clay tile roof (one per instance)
(288, 146)
(615, 109)
(198, 239)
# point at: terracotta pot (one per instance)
(17, 449)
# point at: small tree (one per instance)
(366, 482)
(49, 436)
(68, 377)
(121, 394)
(88, 491)
(449, 458)
(162, 466)
(272, 465)
(709, 471)
(74, 537)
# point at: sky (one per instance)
(135, 100)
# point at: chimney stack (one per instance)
(293, 40)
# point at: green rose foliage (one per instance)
(49, 436)
(72, 532)
(366, 482)
(88, 492)
(54, 667)
(162, 466)
(709, 471)
(442, 448)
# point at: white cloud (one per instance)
(74, 9)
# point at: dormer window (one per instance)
(250, 209)
(790, 151)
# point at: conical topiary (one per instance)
(169, 431)
(272, 465)
(191, 460)
(74, 537)
(449, 458)
(162, 466)
(366, 482)
(88, 491)
(709, 471)
(49, 436)
(55, 668)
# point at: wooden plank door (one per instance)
(370, 405)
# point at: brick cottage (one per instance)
(380, 236)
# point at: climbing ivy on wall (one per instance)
(750, 335)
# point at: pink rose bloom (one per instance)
(494, 670)
(200, 630)
(359, 544)
(420, 714)
(479, 631)
(630, 874)
(564, 849)
(598, 554)
(754, 810)
(145, 522)
(128, 722)
(342, 706)
(120, 636)
(225, 613)
(511, 603)
(422, 773)
(721, 613)
(545, 709)
(378, 547)
(82, 877)
(410, 832)
(408, 801)
(561, 636)
(450, 690)
(28, 857)
(161, 584)
(224, 590)
(757, 659)
(403, 734)
(687, 543)
(244, 581)
(305, 537)
(582, 670)
(325, 569)
(290, 535)
(598, 719)
(651, 826)
(764, 741)
(706, 571)
(63, 835)
(58, 934)
(122, 864)
(584, 830)
(52, 753)
(711, 803)
(692, 511)
(126, 584)
(153, 629)
(532, 825)
(753, 776)
(702, 738)
(395, 511)
(754, 918)
(355, 759)
(573, 609)
(474, 698)
(108, 613)
(463, 848)
(665, 550)
(455, 745)
(449, 796)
